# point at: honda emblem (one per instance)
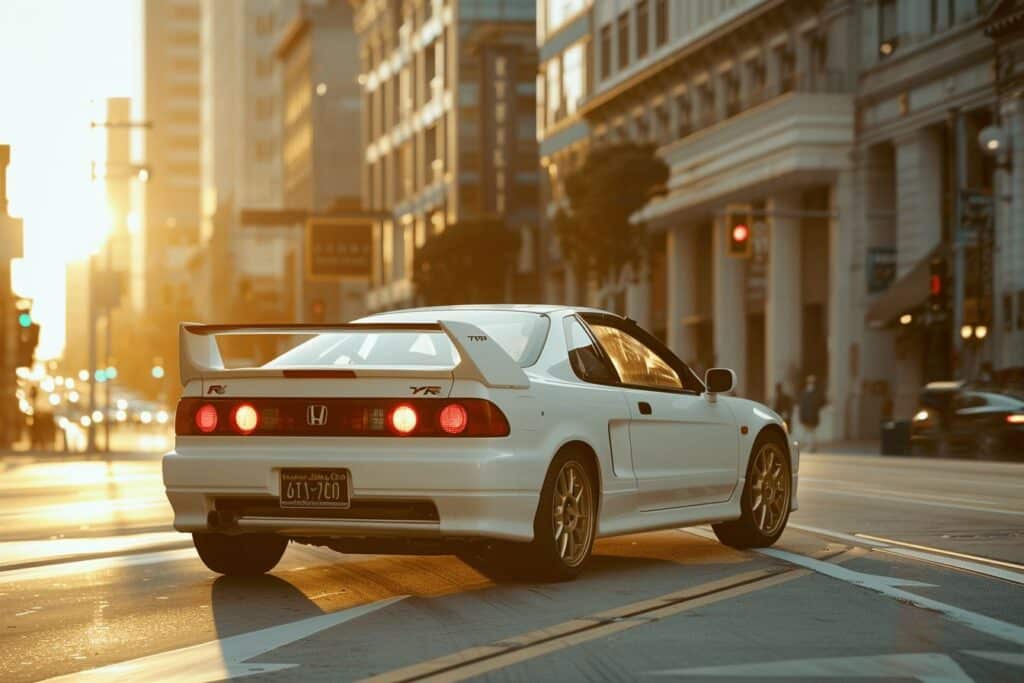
(316, 415)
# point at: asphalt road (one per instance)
(893, 569)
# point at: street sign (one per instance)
(881, 270)
(339, 249)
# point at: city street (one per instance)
(894, 568)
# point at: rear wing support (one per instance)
(481, 359)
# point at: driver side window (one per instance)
(636, 364)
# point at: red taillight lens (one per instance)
(403, 419)
(206, 418)
(245, 419)
(1017, 419)
(453, 418)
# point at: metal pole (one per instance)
(91, 447)
(108, 317)
(959, 263)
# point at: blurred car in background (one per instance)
(955, 418)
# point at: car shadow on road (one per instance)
(248, 603)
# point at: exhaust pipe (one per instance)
(216, 519)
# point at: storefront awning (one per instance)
(903, 296)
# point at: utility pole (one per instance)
(10, 248)
(118, 172)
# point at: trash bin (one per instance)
(895, 437)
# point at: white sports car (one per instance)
(468, 429)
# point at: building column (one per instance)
(843, 328)
(638, 291)
(681, 274)
(783, 306)
(728, 305)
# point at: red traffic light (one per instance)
(740, 233)
(935, 285)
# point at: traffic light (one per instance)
(27, 338)
(317, 311)
(937, 300)
(737, 222)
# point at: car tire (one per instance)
(766, 498)
(241, 555)
(560, 546)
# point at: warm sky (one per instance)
(59, 60)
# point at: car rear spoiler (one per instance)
(481, 359)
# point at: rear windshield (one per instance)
(520, 334)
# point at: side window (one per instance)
(584, 356)
(635, 363)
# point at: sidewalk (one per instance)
(847, 448)
(77, 456)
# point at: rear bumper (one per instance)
(480, 488)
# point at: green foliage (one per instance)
(615, 181)
(469, 262)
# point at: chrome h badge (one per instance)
(316, 415)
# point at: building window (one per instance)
(642, 21)
(661, 122)
(573, 77)
(641, 124)
(561, 11)
(732, 93)
(660, 22)
(554, 97)
(888, 27)
(787, 69)
(683, 127)
(606, 52)
(623, 40)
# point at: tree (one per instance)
(615, 181)
(469, 262)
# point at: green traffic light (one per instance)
(25, 320)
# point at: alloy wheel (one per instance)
(572, 519)
(769, 490)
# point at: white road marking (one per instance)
(18, 552)
(849, 538)
(889, 586)
(222, 658)
(942, 551)
(925, 667)
(934, 495)
(52, 571)
(944, 558)
(1012, 658)
(896, 497)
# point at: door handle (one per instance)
(645, 408)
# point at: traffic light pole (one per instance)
(108, 318)
(959, 264)
(91, 447)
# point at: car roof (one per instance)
(525, 308)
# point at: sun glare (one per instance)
(52, 145)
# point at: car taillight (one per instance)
(206, 418)
(337, 417)
(1017, 419)
(245, 419)
(453, 418)
(403, 419)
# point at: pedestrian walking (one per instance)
(810, 410)
(783, 403)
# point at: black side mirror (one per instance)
(719, 380)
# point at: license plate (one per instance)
(315, 488)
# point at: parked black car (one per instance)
(955, 418)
